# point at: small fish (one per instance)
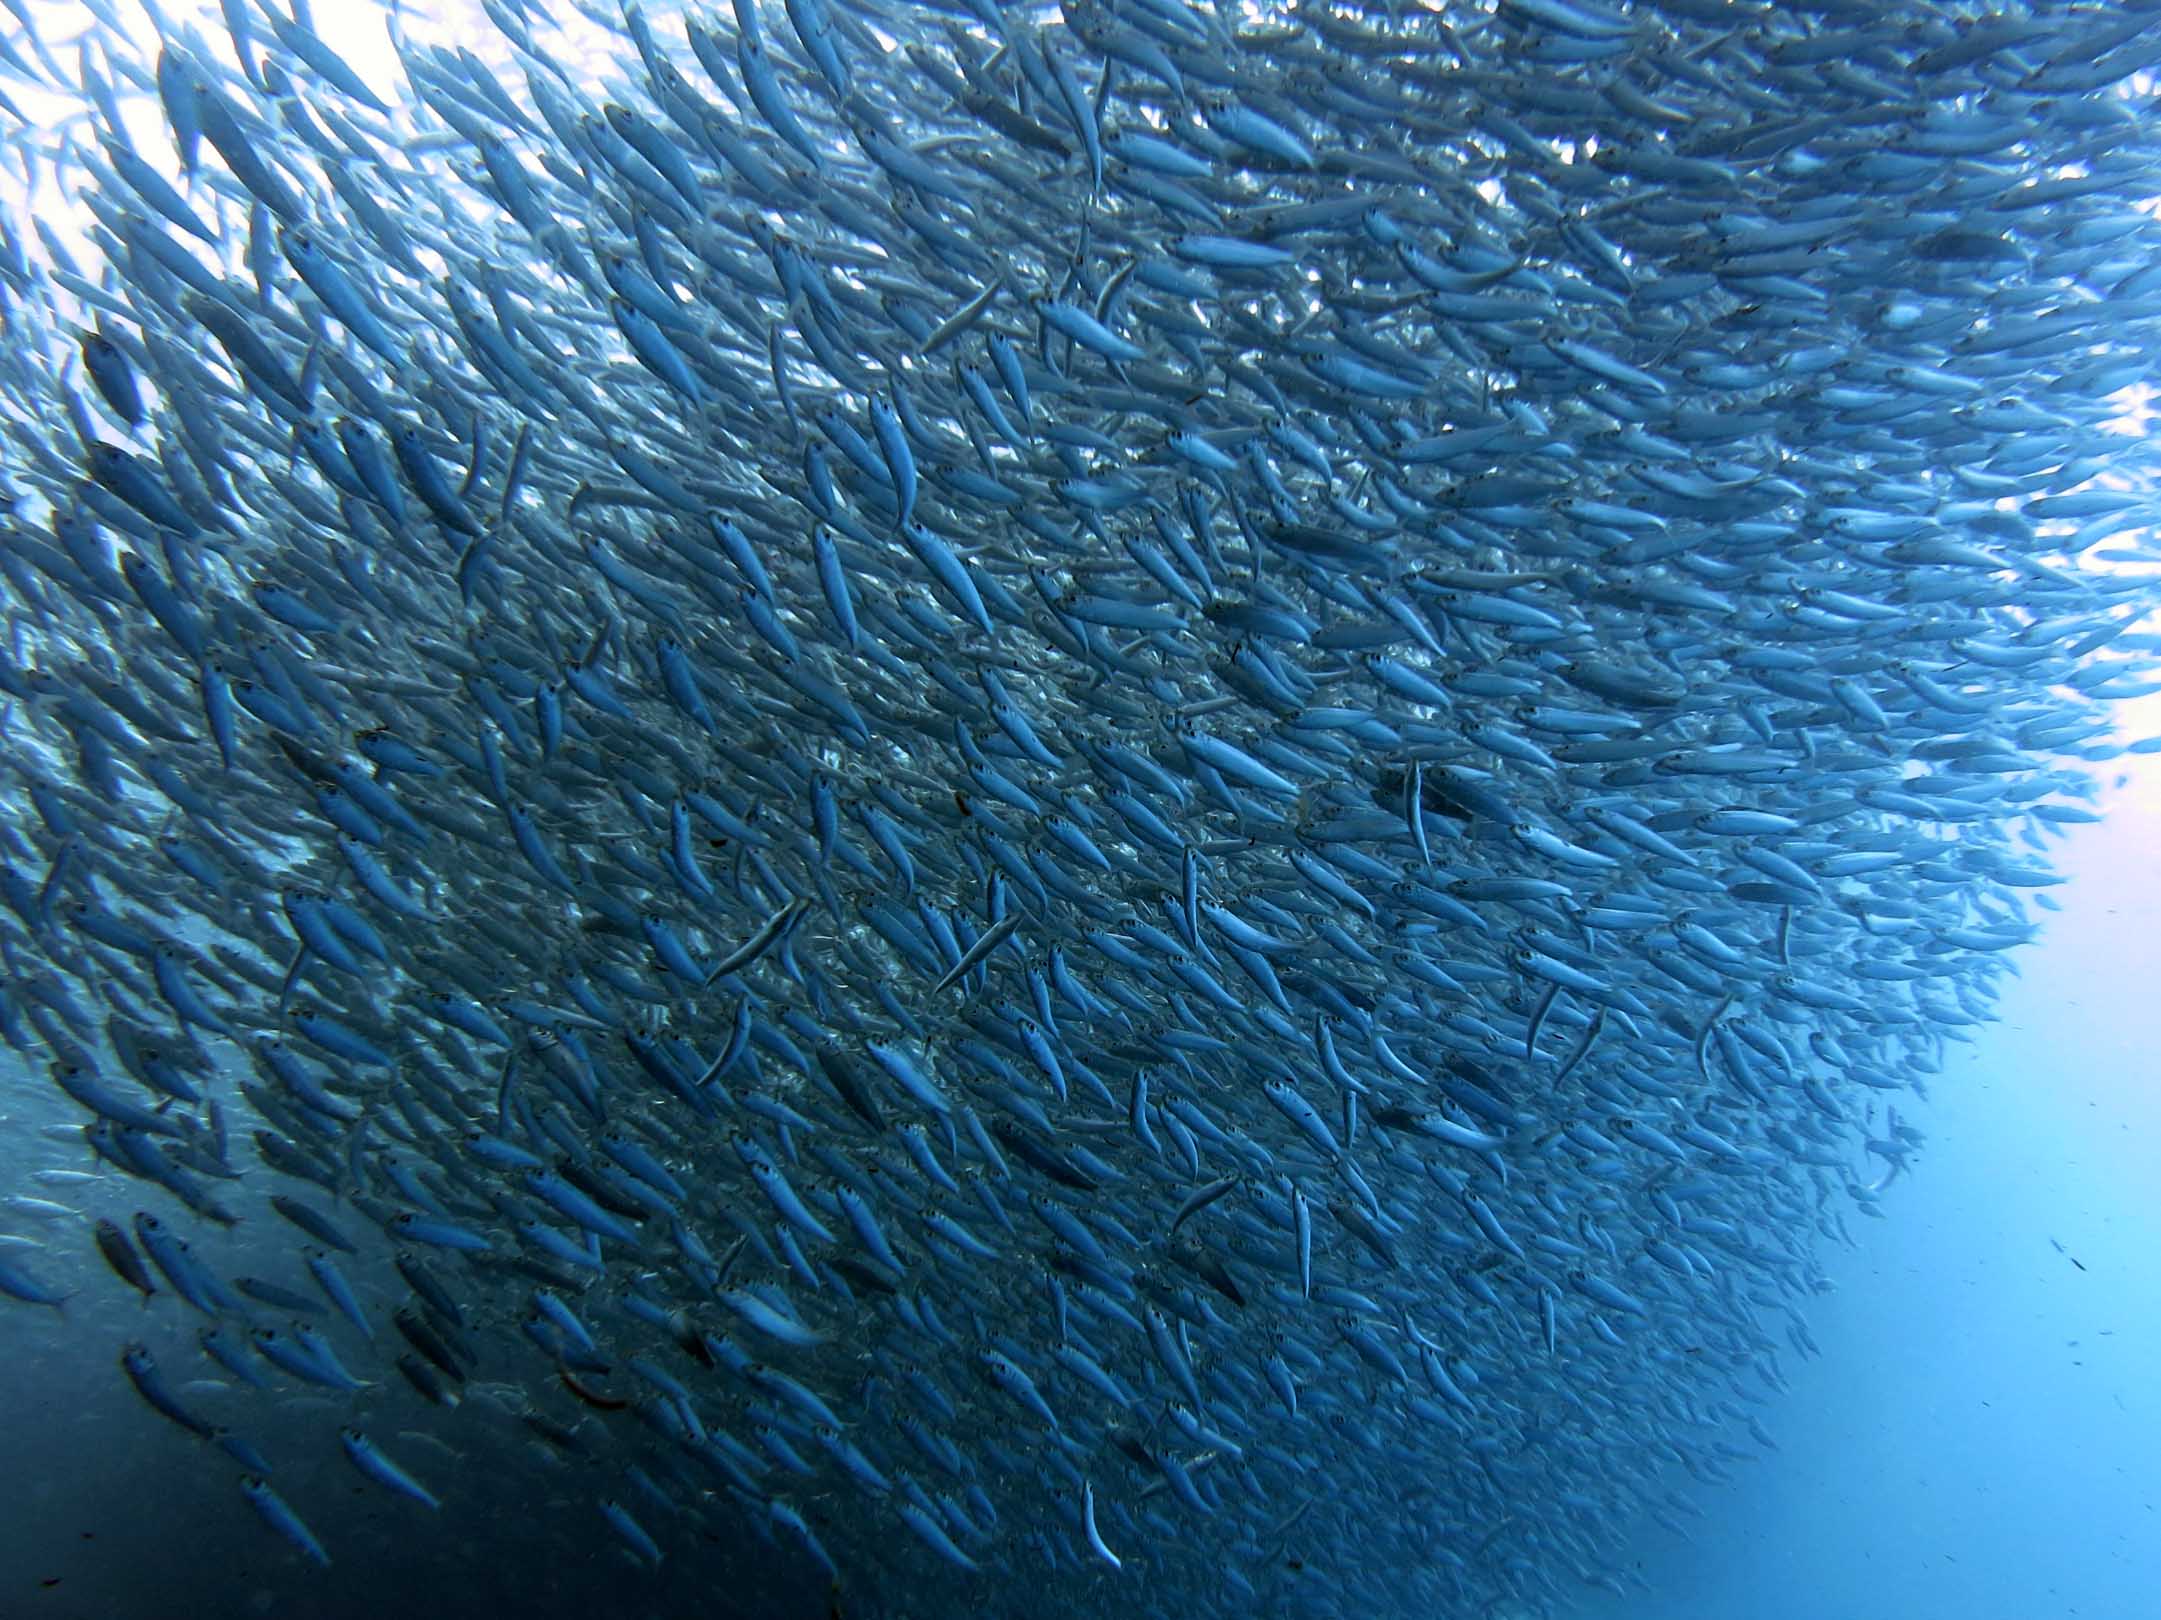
(1266, 742)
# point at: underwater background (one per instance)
(902, 810)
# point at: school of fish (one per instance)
(1143, 797)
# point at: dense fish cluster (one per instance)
(1153, 798)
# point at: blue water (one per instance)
(1982, 1433)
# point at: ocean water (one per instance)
(1976, 1437)
(924, 810)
